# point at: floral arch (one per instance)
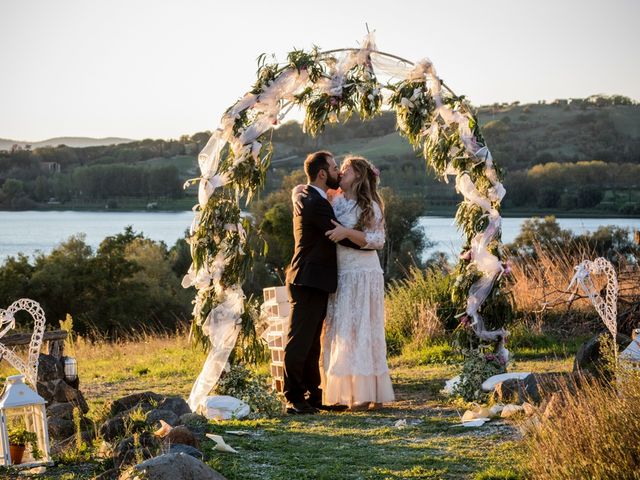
(328, 86)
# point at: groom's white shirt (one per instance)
(322, 192)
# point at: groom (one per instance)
(311, 277)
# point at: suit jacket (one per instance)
(314, 261)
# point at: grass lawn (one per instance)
(362, 445)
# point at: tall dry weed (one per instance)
(590, 430)
(539, 285)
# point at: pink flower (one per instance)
(490, 357)
(466, 255)
(334, 101)
(465, 321)
(506, 268)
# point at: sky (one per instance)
(160, 69)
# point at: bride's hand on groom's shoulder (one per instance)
(338, 233)
(297, 194)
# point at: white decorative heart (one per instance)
(28, 368)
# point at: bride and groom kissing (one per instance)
(335, 353)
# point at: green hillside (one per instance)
(594, 141)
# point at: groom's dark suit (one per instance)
(311, 277)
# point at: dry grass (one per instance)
(160, 362)
(539, 288)
(590, 431)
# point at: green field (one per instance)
(362, 445)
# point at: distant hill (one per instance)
(76, 142)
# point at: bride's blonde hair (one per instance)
(365, 187)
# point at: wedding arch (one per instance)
(330, 86)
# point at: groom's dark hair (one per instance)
(315, 162)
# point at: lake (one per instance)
(29, 232)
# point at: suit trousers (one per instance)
(302, 350)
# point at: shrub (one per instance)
(595, 435)
(477, 367)
(418, 308)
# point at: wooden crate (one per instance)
(278, 384)
(276, 309)
(277, 369)
(275, 294)
(277, 354)
(276, 339)
(279, 324)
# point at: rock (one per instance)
(46, 389)
(49, 368)
(529, 409)
(589, 357)
(66, 393)
(60, 428)
(509, 391)
(511, 410)
(126, 452)
(531, 389)
(112, 428)
(517, 390)
(186, 449)
(154, 417)
(172, 466)
(176, 404)
(183, 435)
(194, 421)
(60, 410)
(144, 400)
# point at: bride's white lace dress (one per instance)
(354, 354)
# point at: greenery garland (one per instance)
(357, 90)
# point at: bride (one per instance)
(355, 371)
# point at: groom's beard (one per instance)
(333, 183)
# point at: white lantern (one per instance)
(22, 406)
(70, 368)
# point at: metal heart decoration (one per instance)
(607, 308)
(28, 368)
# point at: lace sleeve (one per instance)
(374, 234)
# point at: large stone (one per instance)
(176, 404)
(590, 357)
(46, 389)
(49, 368)
(172, 466)
(517, 390)
(59, 428)
(112, 428)
(186, 449)
(183, 435)
(194, 421)
(66, 393)
(129, 450)
(509, 391)
(60, 410)
(144, 400)
(154, 417)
